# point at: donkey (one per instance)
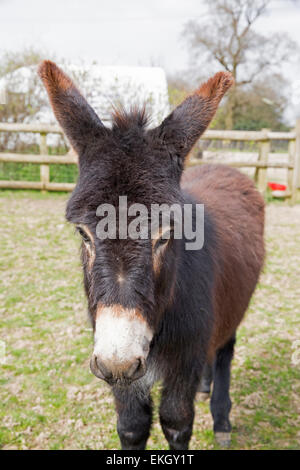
(160, 311)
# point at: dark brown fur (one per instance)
(193, 301)
(239, 224)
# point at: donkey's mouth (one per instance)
(123, 375)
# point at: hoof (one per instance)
(223, 439)
(203, 396)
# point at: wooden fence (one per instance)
(263, 138)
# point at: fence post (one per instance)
(261, 173)
(296, 177)
(290, 175)
(44, 169)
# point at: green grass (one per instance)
(48, 397)
(16, 171)
(31, 172)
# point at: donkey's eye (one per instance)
(163, 240)
(83, 235)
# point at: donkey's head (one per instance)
(129, 281)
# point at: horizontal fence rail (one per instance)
(263, 138)
(36, 128)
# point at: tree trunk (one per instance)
(230, 108)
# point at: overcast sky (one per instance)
(119, 32)
(123, 32)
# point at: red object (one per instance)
(277, 186)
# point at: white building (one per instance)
(103, 86)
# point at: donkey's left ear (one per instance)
(79, 121)
(183, 127)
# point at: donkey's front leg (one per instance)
(134, 418)
(177, 411)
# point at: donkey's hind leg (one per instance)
(220, 403)
(205, 382)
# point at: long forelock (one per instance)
(134, 118)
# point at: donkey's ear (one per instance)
(79, 121)
(183, 127)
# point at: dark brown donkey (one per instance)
(161, 311)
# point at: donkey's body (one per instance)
(197, 333)
(237, 213)
(160, 311)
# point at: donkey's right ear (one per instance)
(79, 121)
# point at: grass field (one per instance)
(48, 397)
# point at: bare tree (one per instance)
(227, 38)
(20, 105)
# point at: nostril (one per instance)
(136, 370)
(105, 371)
(99, 369)
(133, 368)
